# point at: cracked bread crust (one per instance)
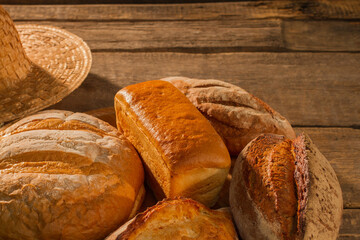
(262, 201)
(60, 120)
(179, 218)
(321, 210)
(60, 179)
(235, 114)
(269, 173)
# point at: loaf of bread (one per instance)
(66, 176)
(178, 219)
(182, 153)
(285, 189)
(235, 114)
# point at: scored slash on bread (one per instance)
(178, 218)
(236, 115)
(285, 189)
(66, 175)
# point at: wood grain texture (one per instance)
(175, 35)
(349, 237)
(215, 35)
(335, 9)
(350, 226)
(310, 89)
(174, 27)
(321, 35)
(341, 146)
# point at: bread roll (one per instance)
(285, 189)
(235, 114)
(66, 176)
(182, 153)
(178, 219)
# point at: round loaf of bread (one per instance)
(285, 189)
(236, 115)
(66, 175)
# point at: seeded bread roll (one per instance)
(235, 114)
(182, 153)
(66, 175)
(178, 219)
(285, 189)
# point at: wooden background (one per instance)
(301, 57)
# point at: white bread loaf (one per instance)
(182, 153)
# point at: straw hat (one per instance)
(41, 69)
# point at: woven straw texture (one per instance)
(46, 66)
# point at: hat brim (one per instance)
(60, 63)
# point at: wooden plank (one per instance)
(349, 237)
(341, 146)
(239, 35)
(310, 89)
(336, 9)
(173, 35)
(350, 226)
(321, 35)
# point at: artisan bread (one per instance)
(285, 189)
(182, 153)
(235, 114)
(66, 175)
(178, 219)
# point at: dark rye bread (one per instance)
(285, 189)
(236, 115)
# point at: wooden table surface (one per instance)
(302, 58)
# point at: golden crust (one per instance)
(179, 219)
(174, 126)
(175, 141)
(60, 120)
(58, 183)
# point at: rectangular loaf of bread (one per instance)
(182, 153)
